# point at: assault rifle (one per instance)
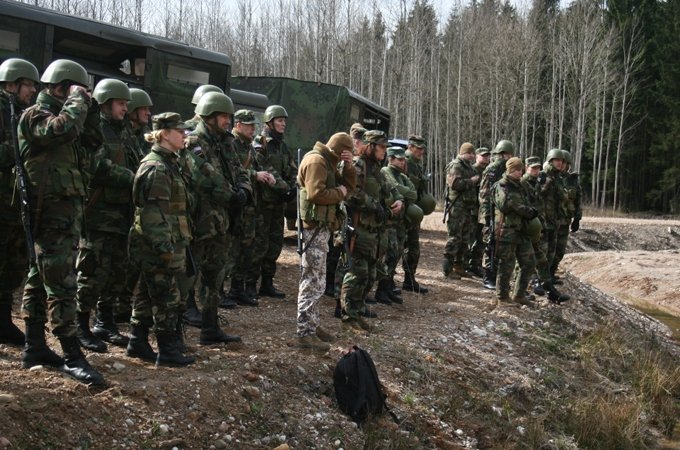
(347, 235)
(21, 185)
(298, 221)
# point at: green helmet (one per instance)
(427, 203)
(65, 70)
(414, 214)
(212, 102)
(15, 68)
(504, 146)
(274, 111)
(109, 89)
(532, 229)
(566, 156)
(139, 99)
(202, 90)
(554, 153)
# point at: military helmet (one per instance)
(202, 90)
(109, 89)
(427, 203)
(212, 102)
(274, 111)
(566, 156)
(533, 229)
(554, 153)
(139, 99)
(414, 214)
(16, 68)
(65, 70)
(504, 146)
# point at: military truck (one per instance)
(168, 70)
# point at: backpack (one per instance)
(357, 387)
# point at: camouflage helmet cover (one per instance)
(15, 68)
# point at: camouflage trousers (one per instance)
(459, 228)
(312, 280)
(490, 259)
(210, 256)
(549, 238)
(125, 299)
(476, 243)
(396, 238)
(268, 239)
(520, 250)
(561, 239)
(542, 267)
(49, 292)
(378, 269)
(240, 258)
(13, 265)
(101, 266)
(362, 274)
(411, 249)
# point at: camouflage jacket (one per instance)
(479, 169)
(113, 168)
(134, 139)
(512, 208)
(491, 175)
(533, 190)
(243, 148)
(460, 189)
(416, 173)
(56, 140)
(554, 196)
(572, 203)
(401, 182)
(7, 158)
(274, 157)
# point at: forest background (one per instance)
(599, 78)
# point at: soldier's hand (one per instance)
(542, 177)
(240, 197)
(75, 88)
(343, 190)
(475, 179)
(396, 207)
(265, 177)
(575, 225)
(533, 212)
(346, 156)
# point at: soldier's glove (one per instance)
(288, 195)
(542, 176)
(533, 212)
(239, 198)
(575, 225)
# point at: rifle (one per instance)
(298, 222)
(347, 234)
(21, 184)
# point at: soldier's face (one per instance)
(279, 124)
(118, 108)
(515, 174)
(25, 91)
(223, 121)
(379, 151)
(534, 171)
(483, 160)
(506, 156)
(469, 156)
(417, 152)
(248, 130)
(141, 115)
(174, 139)
(557, 163)
(398, 162)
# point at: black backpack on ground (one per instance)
(357, 387)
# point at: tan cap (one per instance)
(466, 147)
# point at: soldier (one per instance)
(18, 81)
(55, 135)
(159, 239)
(570, 212)
(272, 155)
(416, 173)
(482, 159)
(198, 93)
(369, 207)
(322, 188)
(512, 212)
(102, 249)
(240, 262)
(492, 174)
(554, 197)
(461, 191)
(211, 149)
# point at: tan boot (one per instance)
(523, 300)
(352, 326)
(324, 335)
(313, 342)
(461, 272)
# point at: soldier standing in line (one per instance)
(474, 266)
(322, 188)
(159, 239)
(554, 197)
(18, 85)
(102, 251)
(570, 212)
(272, 155)
(55, 135)
(492, 174)
(198, 93)
(461, 190)
(416, 173)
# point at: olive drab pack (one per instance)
(325, 216)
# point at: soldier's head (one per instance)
(244, 122)
(139, 108)
(504, 149)
(514, 168)
(275, 117)
(567, 160)
(113, 97)
(20, 78)
(168, 131)
(202, 90)
(534, 165)
(467, 152)
(482, 156)
(376, 144)
(63, 75)
(357, 132)
(397, 157)
(340, 143)
(216, 110)
(416, 146)
(555, 159)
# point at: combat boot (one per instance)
(324, 335)
(524, 300)
(363, 323)
(410, 284)
(476, 271)
(338, 309)
(105, 327)
(85, 337)
(312, 341)
(168, 351)
(251, 289)
(554, 296)
(192, 316)
(267, 289)
(227, 301)
(9, 333)
(75, 364)
(393, 294)
(460, 270)
(489, 279)
(211, 333)
(36, 352)
(538, 288)
(139, 346)
(382, 294)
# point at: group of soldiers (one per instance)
(503, 220)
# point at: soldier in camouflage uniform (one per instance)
(570, 212)
(461, 190)
(322, 188)
(395, 228)
(492, 174)
(102, 255)
(159, 239)
(56, 136)
(474, 266)
(369, 206)
(416, 173)
(198, 93)
(272, 154)
(554, 197)
(512, 212)
(18, 80)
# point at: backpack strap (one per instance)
(374, 373)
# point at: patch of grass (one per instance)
(657, 382)
(409, 399)
(256, 409)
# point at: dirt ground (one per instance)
(458, 373)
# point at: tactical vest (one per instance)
(325, 216)
(373, 187)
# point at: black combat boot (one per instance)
(489, 279)
(411, 285)
(105, 327)
(168, 351)
(192, 316)
(267, 289)
(554, 296)
(227, 301)
(139, 346)
(85, 337)
(538, 288)
(393, 294)
(9, 333)
(338, 309)
(211, 333)
(382, 294)
(36, 352)
(242, 296)
(251, 289)
(75, 364)
(181, 342)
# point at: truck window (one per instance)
(9, 40)
(185, 74)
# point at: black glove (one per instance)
(575, 225)
(288, 195)
(380, 213)
(240, 198)
(534, 213)
(542, 176)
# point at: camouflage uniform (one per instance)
(416, 173)
(532, 188)
(570, 215)
(491, 175)
(477, 235)
(554, 196)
